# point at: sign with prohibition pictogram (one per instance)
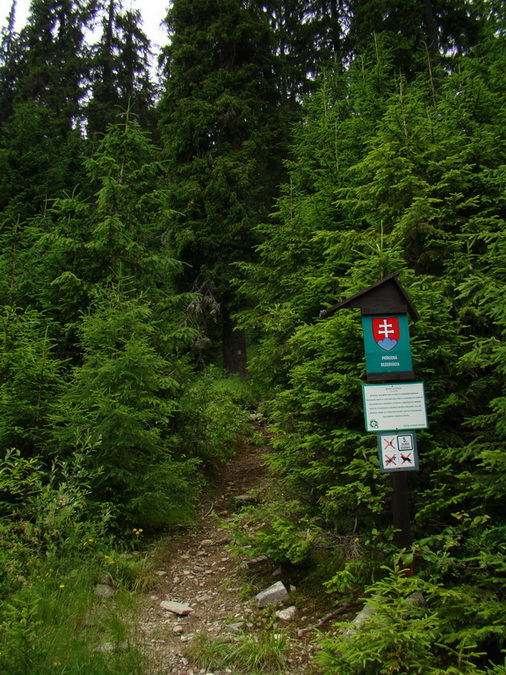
(394, 406)
(397, 451)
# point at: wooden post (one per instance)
(386, 301)
(400, 511)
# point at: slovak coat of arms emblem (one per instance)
(386, 332)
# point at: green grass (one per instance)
(247, 654)
(56, 624)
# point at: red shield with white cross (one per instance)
(386, 332)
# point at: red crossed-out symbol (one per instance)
(389, 443)
(390, 460)
(406, 458)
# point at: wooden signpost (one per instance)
(394, 406)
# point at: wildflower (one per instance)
(61, 586)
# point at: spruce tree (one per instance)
(419, 191)
(38, 160)
(31, 377)
(308, 36)
(55, 60)
(421, 34)
(112, 231)
(123, 398)
(10, 57)
(288, 281)
(223, 142)
(128, 346)
(44, 85)
(120, 71)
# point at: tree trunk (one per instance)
(234, 347)
(431, 31)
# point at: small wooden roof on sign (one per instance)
(384, 297)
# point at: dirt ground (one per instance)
(198, 569)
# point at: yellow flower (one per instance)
(61, 586)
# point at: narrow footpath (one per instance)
(215, 589)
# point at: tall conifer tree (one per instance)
(120, 71)
(10, 57)
(223, 140)
(127, 326)
(308, 36)
(46, 71)
(55, 63)
(415, 31)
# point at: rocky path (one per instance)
(214, 595)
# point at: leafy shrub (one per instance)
(52, 544)
(46, 516)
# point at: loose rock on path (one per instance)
(201, 586)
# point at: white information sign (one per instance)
(388, 407)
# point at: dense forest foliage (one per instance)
(167, 244)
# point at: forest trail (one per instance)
(200, 571)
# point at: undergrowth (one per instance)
(255, 653)
(457, 629)
(59, 541)
(416, 627)
(54, 551)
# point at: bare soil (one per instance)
(198, 568)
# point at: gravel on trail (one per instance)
(202, 587)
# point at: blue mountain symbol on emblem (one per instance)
(387, 344)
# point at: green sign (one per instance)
(387, 347)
